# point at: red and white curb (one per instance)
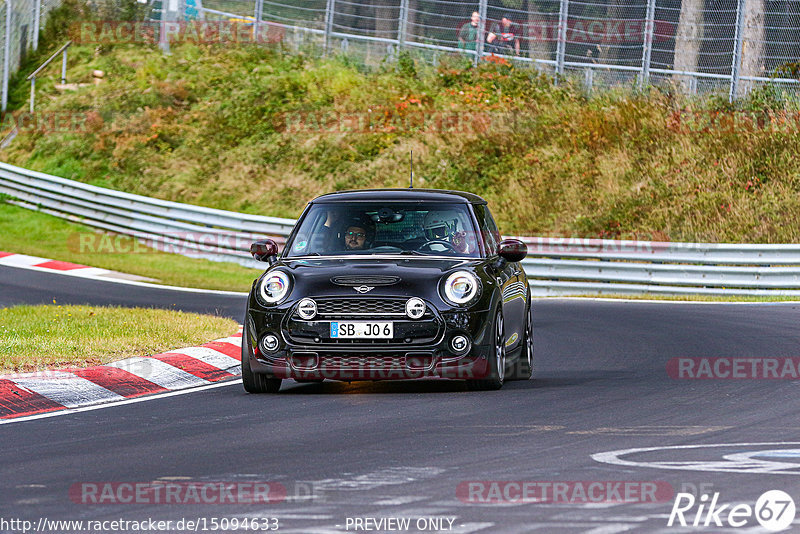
(62, 267)
(28, 394)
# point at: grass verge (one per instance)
(28, 232)
(34, 338)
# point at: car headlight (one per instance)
(461, 287)
(274, 287)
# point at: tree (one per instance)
(752, 42)
(688, 38)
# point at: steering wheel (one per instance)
(447, 244)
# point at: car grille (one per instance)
(365, 280)
(332, 308)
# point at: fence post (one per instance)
(647, 45)
(330, 6)
(37, 13)
(257, 14)
(6, 54)
(482, 10)
(737, 49)
(561, 45)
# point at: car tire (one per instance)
(255, 382)
(523, 366)
(496, 357)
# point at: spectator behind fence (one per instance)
(503, 37)
(468, 34)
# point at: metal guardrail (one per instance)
(171, 226)
(555, 266)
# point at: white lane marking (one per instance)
(21, 260)
(90, 272)
(235, 340)
(125, 282)
(396, 501)
(68, 389)
(726, 466)
(376, 479)
(118, 403)
(210, 356)
(158, 372)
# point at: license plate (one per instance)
(362, 330)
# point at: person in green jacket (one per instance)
(468, 34)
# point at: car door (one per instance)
(508, 279)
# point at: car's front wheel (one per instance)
(255, 382)
(497, 359)
(523, 367)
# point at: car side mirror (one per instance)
(512, 250)
(265, 250)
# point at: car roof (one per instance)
(431, 195)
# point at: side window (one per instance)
(491, 236)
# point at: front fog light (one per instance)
(459, 344)
(269, 343)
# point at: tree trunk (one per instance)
(688, 37)
(752, 43)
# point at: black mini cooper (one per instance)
(390, 284)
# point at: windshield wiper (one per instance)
(412, 253)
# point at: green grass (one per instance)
(213, 126)
(42, 337)
(28, 232)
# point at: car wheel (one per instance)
(523, 367)
(497, 360)
(255, 382)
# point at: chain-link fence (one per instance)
(20, 22)
(699, 45)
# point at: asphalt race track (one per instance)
(373, 451)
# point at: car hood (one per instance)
(415, 276)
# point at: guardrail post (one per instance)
(741, 5)
(482, 10)
(402, 25)
(329, 12)
(647, 44)
(37, 13)
(589, 79)
(33, 92)
(561, 45)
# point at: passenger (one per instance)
(443, 225)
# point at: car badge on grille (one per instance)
(363, 289)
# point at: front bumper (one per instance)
(427, 356)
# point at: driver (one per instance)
(358, 234)
(442, 225)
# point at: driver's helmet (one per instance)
(440, 224)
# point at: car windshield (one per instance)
(404, 228)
